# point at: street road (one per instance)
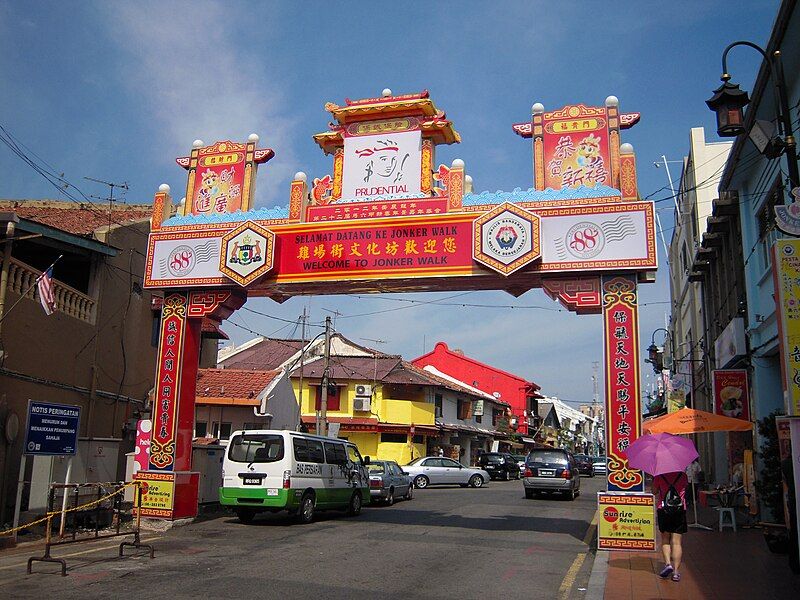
(445, 543)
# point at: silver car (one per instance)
(437, 470)
(388, 481)
(599, 464)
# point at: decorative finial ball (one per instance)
(458, 163)
(183, 201)
(300, 176)
(612, 101)
(253, 137)
(626, 148)
(198, 144)
(386, 92)
(164, 188)
(537, 108)
(467, 179)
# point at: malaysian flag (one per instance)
(45, 287)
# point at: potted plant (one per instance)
(770, 485)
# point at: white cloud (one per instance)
(196, 80)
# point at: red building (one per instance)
(522, 395)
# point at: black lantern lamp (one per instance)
(728, 102)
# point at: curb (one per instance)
(595, 590)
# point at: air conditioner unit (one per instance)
(363, 403)
(364, 390)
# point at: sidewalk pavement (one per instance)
(716, 564)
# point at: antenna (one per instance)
(335, 314)
(110, 198)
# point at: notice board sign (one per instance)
(627, 521)
(158, 493)
(52, 429)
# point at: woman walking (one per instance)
(671, 515)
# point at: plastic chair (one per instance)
(727, 510)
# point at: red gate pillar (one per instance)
(170, 486)
(623, 399)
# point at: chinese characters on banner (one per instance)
(383, 165)
(623, 412)
(576, 147)
(786, 259)
(731, 396)
(627, 522)
(397, 247)
(165, 400)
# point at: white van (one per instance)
(274, 470)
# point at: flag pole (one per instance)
(33, 285)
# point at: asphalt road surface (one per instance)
(446, 543)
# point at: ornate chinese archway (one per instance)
(386, 220)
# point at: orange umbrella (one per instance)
(689, 420)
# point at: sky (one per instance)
(116, 90)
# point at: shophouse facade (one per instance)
(520, 394)
(702, 252)
(755, 184)
(96, 351)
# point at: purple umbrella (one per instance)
(660, 453)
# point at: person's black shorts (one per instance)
(671, 522)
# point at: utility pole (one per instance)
(302, 357)
(323, 421)
(595, 414)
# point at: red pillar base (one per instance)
(168, 495)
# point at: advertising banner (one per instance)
(52, 429)
(786, 271)
(141, 449)
(627, 522)
(158, 494)
(731, 397)
(576, 147)
(680, 386)
(623, 402)
(387, 165)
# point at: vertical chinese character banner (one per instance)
(576, 147)
(383, 165)
(622, 402)
(168, 373)
(786, 259)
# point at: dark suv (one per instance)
(499, 465)
(585, 464)
(551, 470)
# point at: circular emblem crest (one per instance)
(181, 261)
(585, 240)
(788, 250)
(507, 237)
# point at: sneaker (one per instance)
(666, 572)
(676, 576)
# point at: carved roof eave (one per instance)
(440, 130)
(412, 107)
(626, 121)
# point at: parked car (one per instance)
(499, 465)
(551, 470)
(437, 470)
(585, 464)
(520, 458)
(599, 464)
(387, 481)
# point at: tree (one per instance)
(770, 483)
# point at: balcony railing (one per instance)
(21, 279)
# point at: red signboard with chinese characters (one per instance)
(372, 210)
(731, 397)
(576, 147)
(623, 412)
(388, 248)
(168, 372)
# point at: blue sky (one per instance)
(116, 91)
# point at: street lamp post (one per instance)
(729, 101)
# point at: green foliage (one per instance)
(769, 484)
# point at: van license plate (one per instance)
(252, 480)
(272, 492)
(547, 472)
